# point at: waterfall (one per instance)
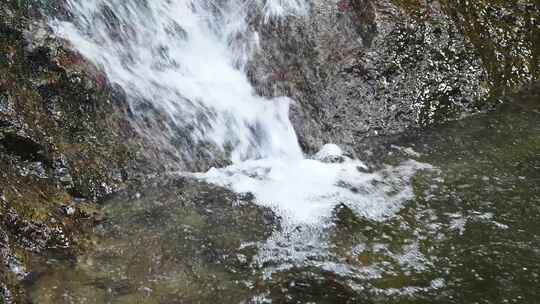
(186, 60)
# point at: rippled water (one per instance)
(448, 215)
(468, 234)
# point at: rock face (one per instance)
(360, 68)
(64, 143)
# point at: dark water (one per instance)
(471, 235)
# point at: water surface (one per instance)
(469, 235)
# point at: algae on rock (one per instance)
(65, 142)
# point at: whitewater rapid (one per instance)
(187, 59)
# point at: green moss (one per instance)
(413, 7)
(506, 37)
(55, 104)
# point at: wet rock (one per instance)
(63, 134)
(37, 36)
(505, 36)
(362, 68)
(69, 210)
(24, 148)
(32, 236)
(330, 153)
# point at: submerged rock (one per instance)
(180, 240)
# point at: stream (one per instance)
(448, 214)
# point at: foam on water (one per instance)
(306, 191)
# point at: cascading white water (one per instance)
(186, 59)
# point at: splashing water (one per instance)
(305, 191)
(186, 59)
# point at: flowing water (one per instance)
(292, 228)
(186, 59)
(469, 234)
